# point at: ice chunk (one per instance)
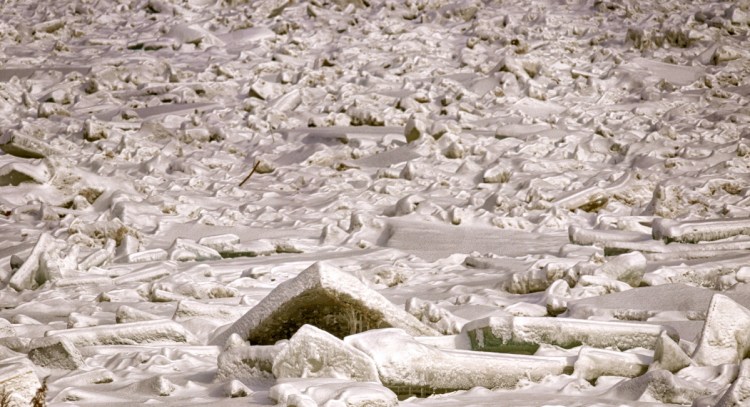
(25, 278)
(313, 352)
(240, 360)
(191, 309)
(582, 236)
(148, 273)
(326, 297)
(410, 367)
(415, 128)
(20, 381)
(236, 388)
(198, 251)
(738, 394)
(726, 333)
(147, 256)
(55, 352)
(332, 393)
(525, 334)
(699, 230)
(16, 173)
(21, 145)
(592, 363)
(668, 355)
(133, 333)
(125, 314)
(629, 268)
(220, 243)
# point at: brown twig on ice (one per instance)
(255, 167)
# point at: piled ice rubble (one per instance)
(326, 297)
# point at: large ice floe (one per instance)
(371, 203)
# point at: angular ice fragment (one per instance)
(668, 355)
(17, 173)
(200, 252)
(407, 366)
(25, 278)
(20, 381)
(699, 230)
(133, 333)
(55, 352)
(223, 312)
(20, 145)
(525, 334)
(313, 352)
(629, 268)
(147, 256)
(126, 314)
(220, 242)
(726, 333)
(240, 360)
(326, 297)
(592, 363)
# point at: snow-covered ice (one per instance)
(348, 202)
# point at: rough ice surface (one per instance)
(170, 168)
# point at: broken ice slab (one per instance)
(27, 276)
(312, 352)
(726, 334)
(222, 312)
(525, 334)
(21, 145)
(146, 256)
(582, 236)
(409, 367)
(187, 249)
(694, 231)
(148, 273)
(708, 273)
(20, 381)
(55, 352)
(134, 333)
(593, 363)
(220, 242)
(16, 173)
(241, 361)
(659, 386)
(592, 198)
(326, 297)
